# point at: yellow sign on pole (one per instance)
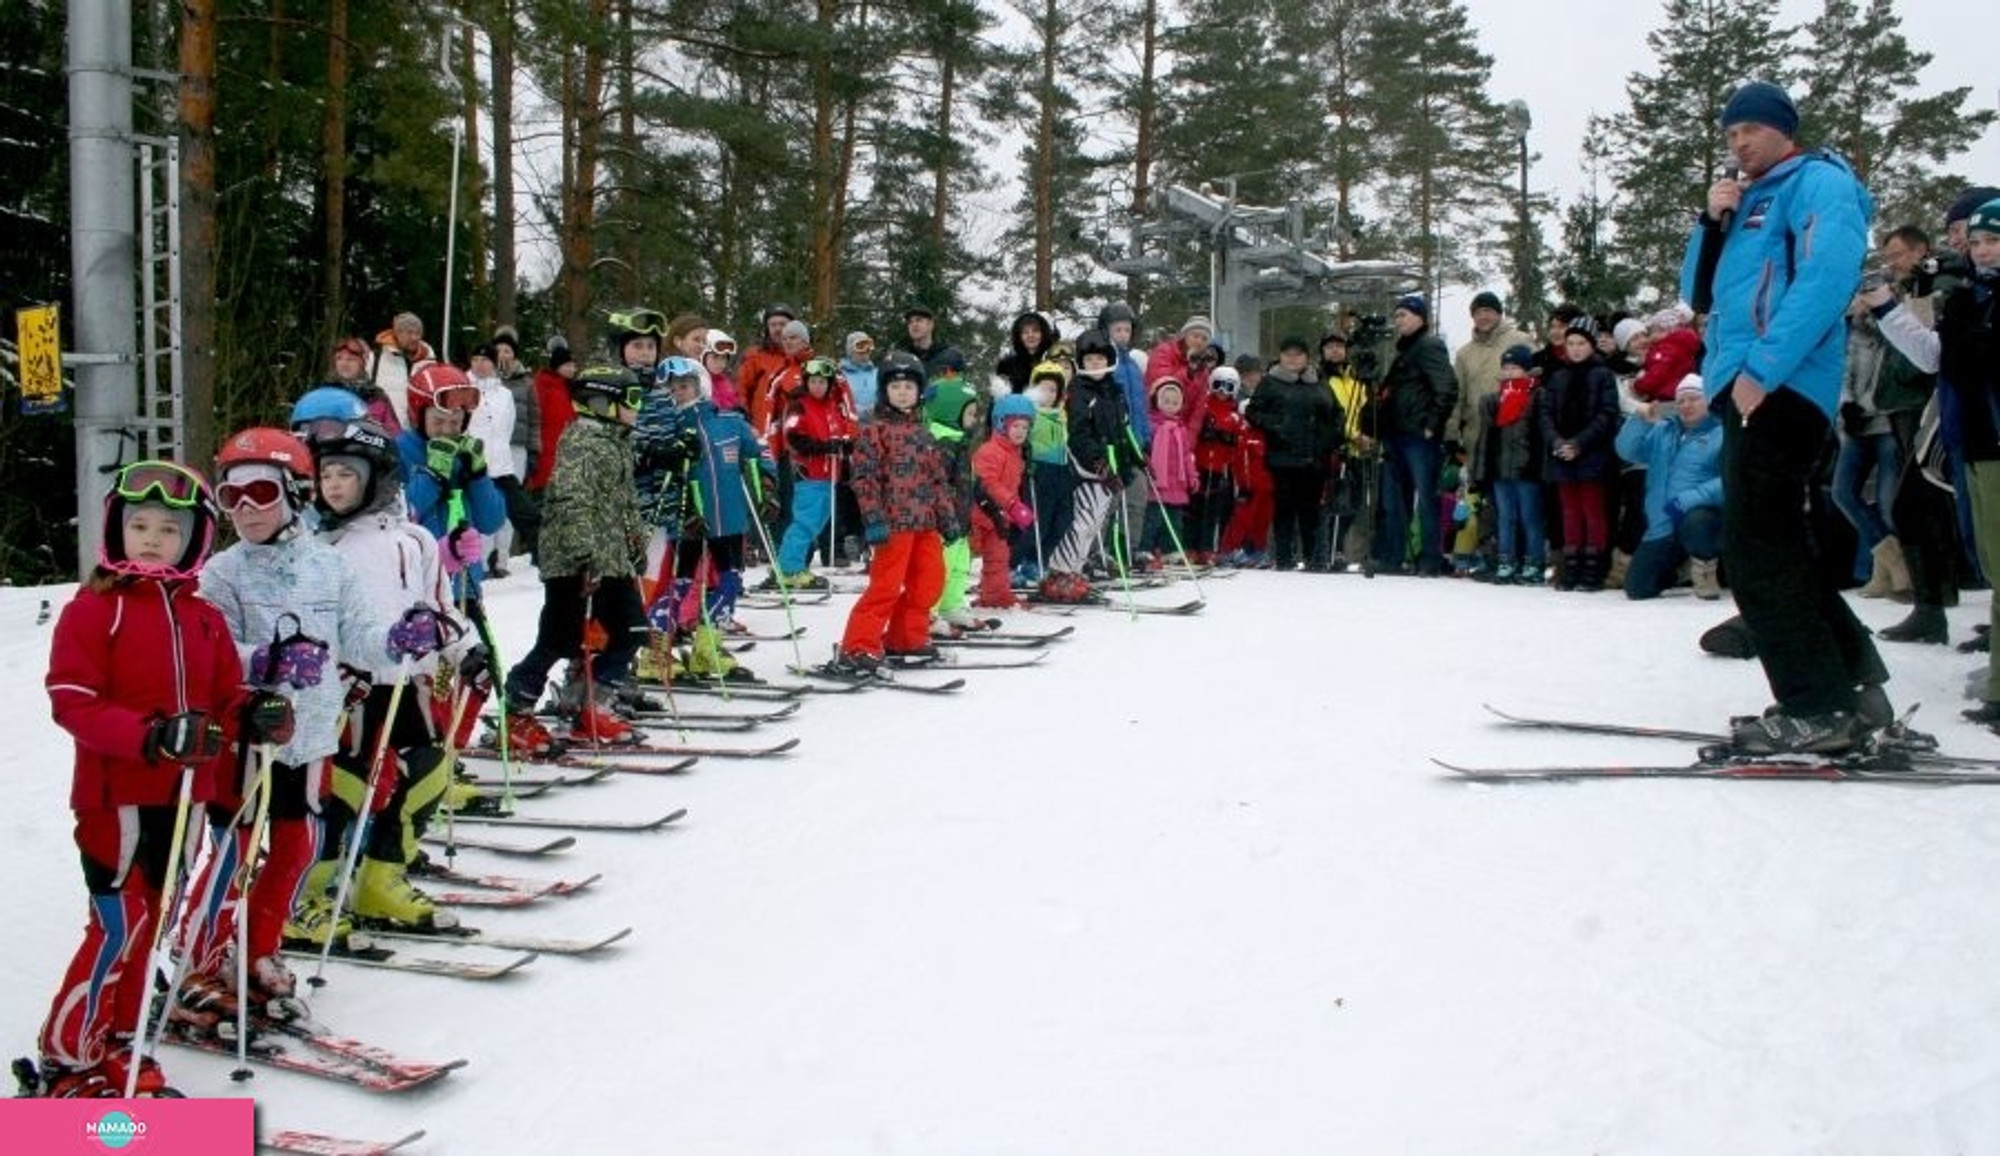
(40, 330)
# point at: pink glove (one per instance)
(463, 547)
(1020, 515)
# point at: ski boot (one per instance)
(202, 1004)
(858, 665)
(383, 894)
(705, 658)
(596, 724)
(924, 655)
(527, 738)
(312, 922)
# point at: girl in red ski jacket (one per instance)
(999, 464)
(144, 676)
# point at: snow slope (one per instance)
(1192, 887)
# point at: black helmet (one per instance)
(1116, 311)
(900, 366)
(614, 383)
(777, 309)
(370, 450)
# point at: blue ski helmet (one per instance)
(1011, 406)
(335, 405)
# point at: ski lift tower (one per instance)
(1259, 259)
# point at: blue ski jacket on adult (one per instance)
(429, 498)
(1790, 263)
(1681, 463)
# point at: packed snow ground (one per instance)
(1192, 887)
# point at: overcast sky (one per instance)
(1568, 61)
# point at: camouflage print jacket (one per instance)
(590, 512)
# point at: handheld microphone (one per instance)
(1734, 173)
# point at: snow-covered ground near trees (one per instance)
(1192, 886)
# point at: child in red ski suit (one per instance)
(1249, 531)
(144, 675)
(999, 464)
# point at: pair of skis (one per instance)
(1911, 766)
(311, 1049)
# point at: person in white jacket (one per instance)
(297, 612)
(493, 424)
(362, 516)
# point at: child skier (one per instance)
(143, 674)
(1098, 429)
(1214, 456)
(592, 538)
(1051, 482)
(908, 508)
(818, 430)
(957, 417)
(1170, 460)
(297, 611)
(360, 502)
(729, 473)
(449, 493)
(999, 464)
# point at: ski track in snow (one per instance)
(1191, 886)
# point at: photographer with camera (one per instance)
(1413, 403)
(1960, 349)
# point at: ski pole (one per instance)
(784, 595)
(209, 883)
(1121, 529)
(832, 508)
(663, 651)
(168, 888)
(1173, 535)
(246, 874)
(363, 814)
(1035, 503)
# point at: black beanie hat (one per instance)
(1968, 202)
(1487, 299)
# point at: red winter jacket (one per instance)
(757, 379)
(812, 429)
(1671, 358)
(1169, 359)
(1252, 475)
(1215, 446)
(121, 658)
(557, 410)
(999, 465)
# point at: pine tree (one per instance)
(1059, 199)
(1666, 144)
(1425, 83)
(1859, 97)
(1590, 271)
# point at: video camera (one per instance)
(1368, 347)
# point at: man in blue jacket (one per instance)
(1791, 231)
(1682, 452)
